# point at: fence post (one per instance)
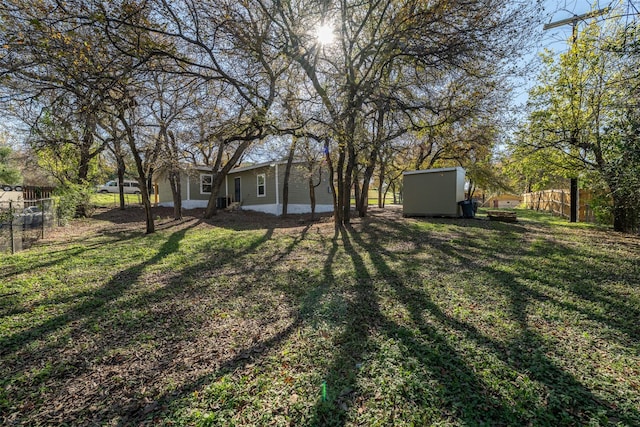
(13, 251)
(573, 216)
(43, 217)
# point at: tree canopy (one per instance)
(9, 174)
(583, 120)
(426, 79)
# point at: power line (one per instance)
(576, 18)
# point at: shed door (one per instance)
(237, 192)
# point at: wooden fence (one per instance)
(30, 192)
(558, 202)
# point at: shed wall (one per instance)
(433, 193)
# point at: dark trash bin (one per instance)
(475, 206)
(467, 208)
(221, 203)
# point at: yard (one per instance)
(254, 320)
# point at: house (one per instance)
(257, 188)
(502, 201)
(433, 192)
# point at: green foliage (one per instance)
(602, 207)
(534, 167)
(58, 151)
(8, 173)
(623, 168)
(583, 122)
(73, 200)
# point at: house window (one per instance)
(262, 189)
(205, 183)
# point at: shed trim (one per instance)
(431, 171)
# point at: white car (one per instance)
(129, 187)
(7, 187)
(33, 216)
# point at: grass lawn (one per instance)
(254, 320)
(113, 199)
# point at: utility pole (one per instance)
(575, 19)
(573, 217)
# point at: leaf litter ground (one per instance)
(248, 319)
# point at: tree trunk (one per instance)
(142, 181)
(312, 197)
(146, 201)
(176, 193)
(381, 178)
(384, 196)
(312, 187)
(212, 206)
(366, 179)
(340, 197)
(393, 188)
(220, 173)
(150, 181)
(619, 218)
(121, 170)
(331, 176)
(287, 175)
(622, 215)
(121, 188)
(348, 175)
(357, 194)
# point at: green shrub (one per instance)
(602, 206)
(73, 201)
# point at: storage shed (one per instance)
(433, 192)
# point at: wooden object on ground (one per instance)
(504, 216)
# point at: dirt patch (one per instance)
(132, 219)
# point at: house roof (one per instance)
(248, 167)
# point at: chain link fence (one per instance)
(24, 222)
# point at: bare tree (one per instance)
(391, 54)
(58, 70)
(222, 42)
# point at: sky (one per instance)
(557, 10)
(555, 39)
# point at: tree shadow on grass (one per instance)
(242, 220)
(170, 340)
(360, 322)
(303, 311)
(93, 300)
(568, 401)
(461, 392)
(78, 322)
(445, 349)
(52, 256)
(555, 265)
(174, 332)
(538, 254)
(55, 252)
